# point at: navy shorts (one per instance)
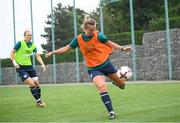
(25, 72)
(105, 70)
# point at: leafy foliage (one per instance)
(63, 26)
(149, 15)
(117, 14)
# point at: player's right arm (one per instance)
(72, 45)
(12, 54)
(59, 51)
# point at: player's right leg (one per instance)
(34, 92)
(26, 78)
(99, 80)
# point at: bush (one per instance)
(160, 24)
(6, 63)
(125, 38)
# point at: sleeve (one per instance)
(102, 38)
(32, 44)
(74, 43)
(35, 50)
(17, 45)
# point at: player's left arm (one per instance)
(117, 46)
(39, 59)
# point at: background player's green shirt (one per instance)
(29, 44)
(23, 52)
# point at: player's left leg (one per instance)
(110, 71)
(38, 89)
(117, 81)
(37, 85)
(34, 77)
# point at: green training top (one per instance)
(22, 55)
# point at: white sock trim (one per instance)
(112, 112)
(35, 78)
(38, 100)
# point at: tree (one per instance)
(64, 26)
(116, 19)
(117, 15)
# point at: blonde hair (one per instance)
(88, 21)
(27, 30)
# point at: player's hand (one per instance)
(48, 54)
(43, 67)
(127, 48)
(15, 64)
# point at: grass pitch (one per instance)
(147, 102)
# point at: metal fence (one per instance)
(102, 5)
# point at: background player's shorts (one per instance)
(25, 72)
(106, 70)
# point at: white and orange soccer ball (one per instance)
(125, 72)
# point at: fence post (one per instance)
(53, 42)
(34, 62)
(75, 34)
(168, 40)
(14, 30)
(101, 16)
(133, 39)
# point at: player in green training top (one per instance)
(20, 56)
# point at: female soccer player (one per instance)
(96, 49)
(20, 56)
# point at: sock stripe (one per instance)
(33, 88)
(107, 102)
(38, 100)
(102, 95)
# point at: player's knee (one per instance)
(102, 88)
(30, 82)
(35, 80)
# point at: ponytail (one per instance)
(88, 21)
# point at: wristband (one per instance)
(15, 63)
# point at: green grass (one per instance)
(158, 102)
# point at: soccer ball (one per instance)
(124, 72)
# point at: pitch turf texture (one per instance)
(147, 102)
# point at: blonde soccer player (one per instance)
(20, 56)
(96, 49)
